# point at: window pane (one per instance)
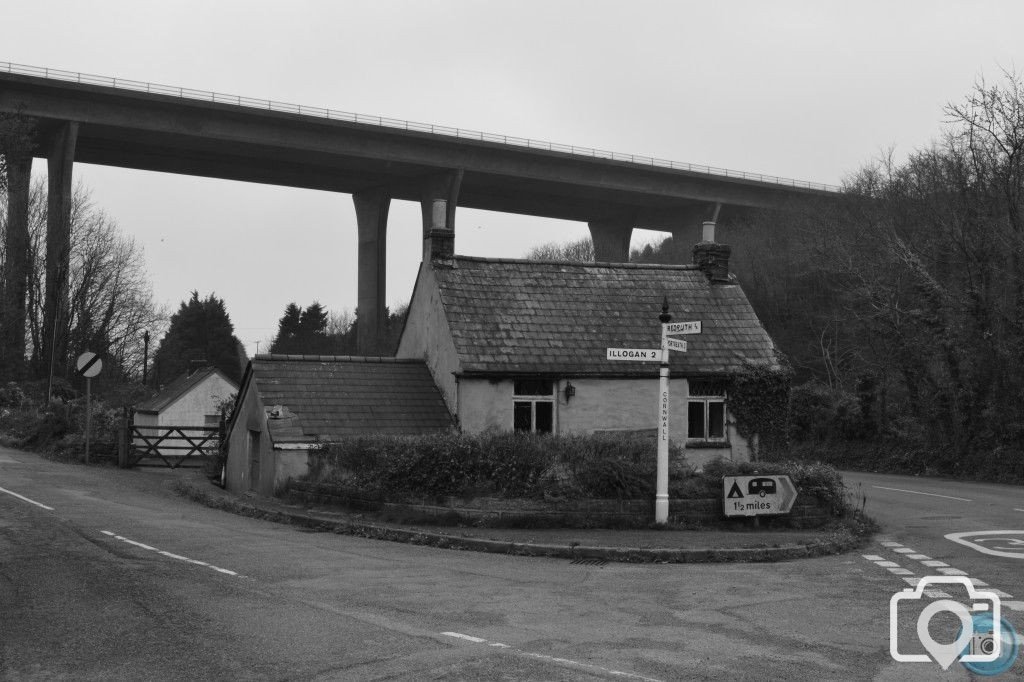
(716, 420)
(533, 387)
(696, 418)
(545, 417)
(523, 416)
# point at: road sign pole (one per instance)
(661, 488)
(88, 416)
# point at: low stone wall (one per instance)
(493, 511)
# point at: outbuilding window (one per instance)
(706, 411)
(534, 405)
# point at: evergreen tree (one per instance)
(313, 330)
(200, 331)
(288, 331)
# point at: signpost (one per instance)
(88, 365)
(757, 495)
(668, 329)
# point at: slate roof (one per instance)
(545, 317)
(327, 397)
(177, 389)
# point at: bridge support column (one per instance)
(60, 161)
(611, 240)
(372, 221)
(14, 284)
(441, 187)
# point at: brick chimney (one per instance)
(711, 257)
(439, 244)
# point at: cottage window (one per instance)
(533, 407)
(706, 411)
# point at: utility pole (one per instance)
(145, 356)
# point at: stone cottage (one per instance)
(515, 344)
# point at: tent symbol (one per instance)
(734, 491)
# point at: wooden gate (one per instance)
(172, 446)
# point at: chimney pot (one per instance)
(708, 233)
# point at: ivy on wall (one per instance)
(759, 402)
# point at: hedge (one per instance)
(429, 469)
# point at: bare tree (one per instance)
(110, 297)
(581, 251)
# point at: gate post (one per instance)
(122, 446)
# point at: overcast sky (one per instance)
(809, 90)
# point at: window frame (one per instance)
(533, 398)
(704, 393)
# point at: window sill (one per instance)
(707, 444)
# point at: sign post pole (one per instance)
(661, 490)
(88, 365)
(88, 415)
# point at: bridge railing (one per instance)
(382, 121)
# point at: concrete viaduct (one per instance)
(137, 125)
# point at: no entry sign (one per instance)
(89, 364)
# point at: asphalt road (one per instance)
(115, 577)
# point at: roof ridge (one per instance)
(584, 264)
(280, 357)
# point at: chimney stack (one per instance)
(711, 257)
(439, 246)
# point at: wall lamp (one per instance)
(570, 391)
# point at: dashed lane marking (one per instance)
(942, 567)
(169, 555)
(25, 499)
(918, 492)
(552, 659)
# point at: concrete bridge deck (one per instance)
(105, 121)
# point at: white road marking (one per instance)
(553, 659)
(1011, 540)
(22, 497)
(917, 492)
(952, 571)
(919, 557)
(1015, 509)
(470, 638)
(169, 555)
(903, 550)
(944, 569)
(891, 544)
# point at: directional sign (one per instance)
(635, 354)
(682, 327)
(675, 344)
(88, 364)
(757, 495)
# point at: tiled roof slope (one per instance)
(329, 397)
(176, 389)
(521, 317)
